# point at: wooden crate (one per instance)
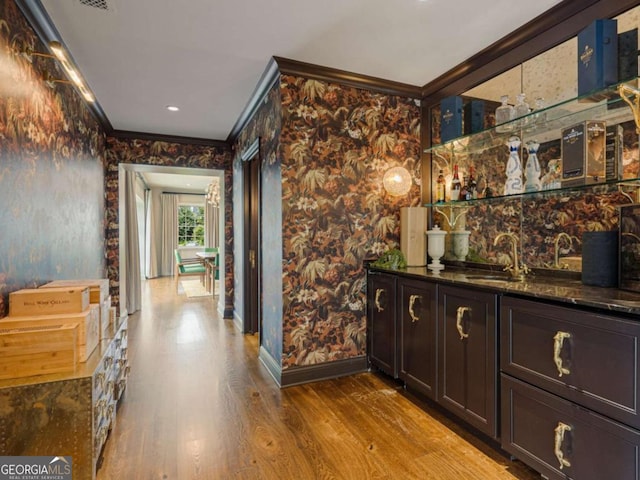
(98, 288)
(47, 301)
(88, 323)
(38, 350)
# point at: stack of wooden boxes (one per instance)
(47, 331)
(98, 296)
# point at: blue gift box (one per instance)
(474, 116)
(597, 56)
(450, 118)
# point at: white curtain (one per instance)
(154, 234)
(132, 245)
(211, 220)
(169, 232)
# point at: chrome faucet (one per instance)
(516, 271)
(556, 245)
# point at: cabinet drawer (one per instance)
(585, 357)
(541, 429)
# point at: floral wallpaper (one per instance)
(336, 144)
(324, 150)
(149, 152)
(48, 137)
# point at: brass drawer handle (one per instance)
(460, 313)
(379, 292)
(100, 377)
(560, 430)
(412, 301)
(558, 342)
(108, 361)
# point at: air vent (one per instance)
(100, 4)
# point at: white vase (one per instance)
(532, 169)
(435, 248)
(513, 185)
(460, 244)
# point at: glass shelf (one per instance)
(627, 182)
(546, 124)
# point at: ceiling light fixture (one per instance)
(213, 193)
(172, 108)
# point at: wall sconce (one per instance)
(72, 72)
(397, 181)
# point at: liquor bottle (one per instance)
(472, 186)
(464, 190)
(504, 114)
(455, 185)
(440, 188)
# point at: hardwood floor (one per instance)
(199, 405)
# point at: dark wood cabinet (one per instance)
(589, 358)
(416, 317)
(467, 383)
(382, 341)
(562, 440)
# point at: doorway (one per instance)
(252, 321)
(179, 180)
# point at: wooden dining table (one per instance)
(209, 260)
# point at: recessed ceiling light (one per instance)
(172, 108)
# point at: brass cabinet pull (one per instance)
(558, 342)
(379, 292)
(560, 430)
(460, 313)
(412, 301)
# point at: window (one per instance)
(190, 226)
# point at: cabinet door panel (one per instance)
(418, 330)
(592, 446)
(598, 356)
(467, 352)
(382, 321)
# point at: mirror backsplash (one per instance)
(549, 225)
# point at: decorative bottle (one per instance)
(521, 109)
(532, 169)
(455, 185)
(440, 188)
(513, 185)
(504, 114)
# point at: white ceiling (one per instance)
(206, 56)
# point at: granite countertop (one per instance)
(545, 287)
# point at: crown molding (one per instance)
(156, 137)
(350, 79)
(556, 25)
(279, 65)
(267, 80)
(42, 25)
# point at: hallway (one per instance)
(199, 405)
